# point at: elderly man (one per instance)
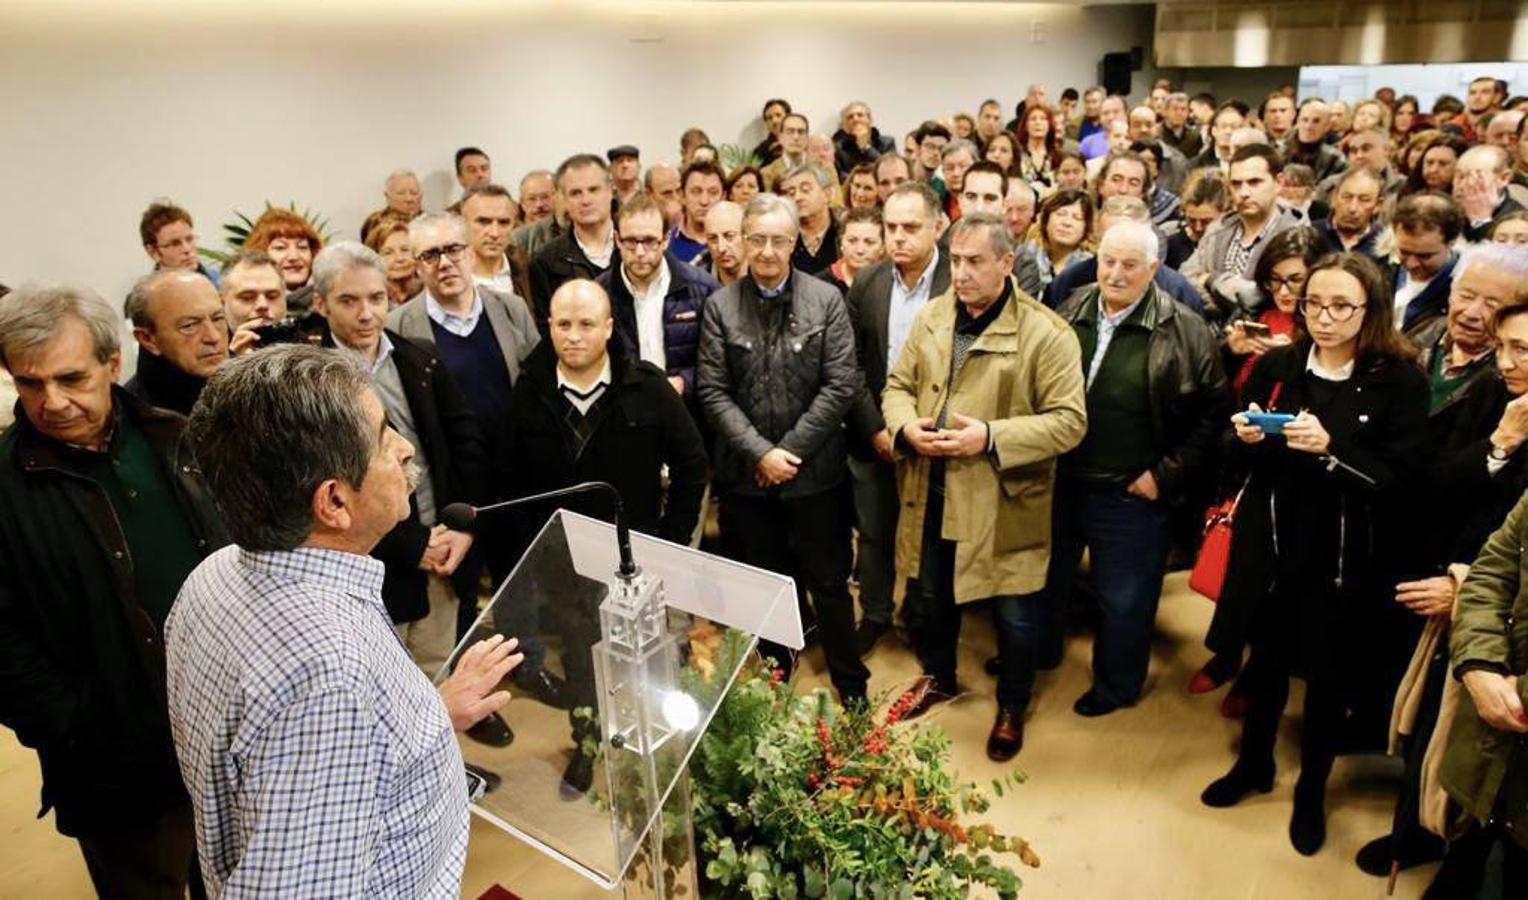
(1177, 131)
(182, 333)
(883, 302)
(701, 186)
(1355, 222)
(984, 419)
(541, 221)
(1084, 274)
(489, 212)
(1019, 210)
(1368, 149)
(1426, 226)
(857, 141)
(778, 415)
(1481, 178)
(663, 183)
(1223, 263)
(625, 172)
(169, 238)
(655, 297)
(403, 197)
(1308, 146)
(288, 690)
(473, 168)
(724, 243)
(956, 157)
(1156, 400)
(588, 247)
(102, 516)
(817, 249)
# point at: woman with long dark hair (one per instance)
(1434, 170)
(1318, 523)
(1039, 150)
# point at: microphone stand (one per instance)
(463, 515)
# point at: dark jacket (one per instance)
(1507, 206)
(847, 152)
(82, 665)
(638, 426)
(687, 292)
(1432, 303)
(453, 443)
(1320, 536)
(1366, 245)
(556, 264)
(159, 383)
(1083, 274)
(869, 304)
(1325, 160)
(1190, 400)
(777, 373)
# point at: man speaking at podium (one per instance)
(320, 760)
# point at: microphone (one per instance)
(461, 516)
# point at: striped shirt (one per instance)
(320, 760)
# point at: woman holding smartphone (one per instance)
(1319, 519)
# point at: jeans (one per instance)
(1127, 538)
(810, 536)
(875, 512)
(933, 618)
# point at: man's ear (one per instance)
(145, 338)
(331, 506)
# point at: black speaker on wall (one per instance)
(1114, 72)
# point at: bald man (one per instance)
(182, 333)
(724, 243)
(585, 409)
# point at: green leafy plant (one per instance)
(736, 156)
(235, 233)
(797, 797)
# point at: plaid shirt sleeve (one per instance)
(309, 803)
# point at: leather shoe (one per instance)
(1307, 825)
(1007, 736)
(1230, 788)
(1092, 706)
(543, 686)
(867, 635)
(578, 776)
(926, 693)
(493, 731)
(1375, 857)
(1213, 674)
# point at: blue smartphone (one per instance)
(1270, 422)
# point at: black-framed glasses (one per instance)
(1337, 312)
(646, 245)
(431, 257)
(1294, 284)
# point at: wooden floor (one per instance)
(1112, 804)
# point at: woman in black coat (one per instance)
(1319, 525)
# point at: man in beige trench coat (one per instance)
(987, 392)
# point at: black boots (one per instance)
(1243, 779)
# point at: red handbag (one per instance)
(1209, 574)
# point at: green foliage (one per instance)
(736, 156)
(235, 233)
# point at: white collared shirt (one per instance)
(501, 280)
(1341, 373)
(582, 399)
(649, 309)
(461, 326)
(601, 257)
(1406, 292)
(904, 306)
(1108, 323)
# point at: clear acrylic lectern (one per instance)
(595, 775)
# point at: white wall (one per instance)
(222, 105)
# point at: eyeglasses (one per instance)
(646, 245)
(779, 241)
(431, 257)
(1293, 284)
(1337, 312)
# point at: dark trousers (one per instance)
(1127, 538)
(807, 537)
(1266, 684)
(147, 858)
(933, 618)
(1463, 873)
(875, 514)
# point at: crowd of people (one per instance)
(949, 369)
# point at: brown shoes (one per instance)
(925, 694)
(1007, 736)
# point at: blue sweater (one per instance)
(477, 364)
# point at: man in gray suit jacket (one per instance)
(882, 304)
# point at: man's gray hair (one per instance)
(31, 316)
(1503, 160)
(1132, 208)
(1136, 232)
(996, 227)
(1177, 97)
(269, 428)
(824, 180)
(768, 204)
(137, 305)
(419, 223)
(1510, 260)
(844, 113)
(340, 257)
(957, 145)
(398, 174)
(1024, 187)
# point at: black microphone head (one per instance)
(458, 516)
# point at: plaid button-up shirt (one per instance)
(320, 760)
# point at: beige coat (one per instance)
(1024, 378)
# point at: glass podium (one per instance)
(595, 774)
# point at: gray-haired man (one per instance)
(320, 760)
(102, 516)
